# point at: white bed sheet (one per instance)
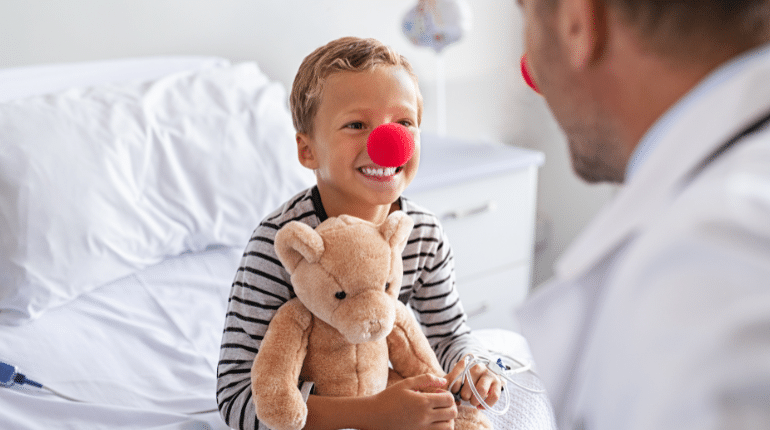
(142, 351)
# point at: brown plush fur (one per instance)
(341, 344)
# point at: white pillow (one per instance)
(98, 183)
(27, 81)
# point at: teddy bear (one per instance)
(345, 323)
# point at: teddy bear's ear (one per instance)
(296, 241)
(396, 229)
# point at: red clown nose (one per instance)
(390, 145)
(528, 76)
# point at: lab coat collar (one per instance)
(711, 114)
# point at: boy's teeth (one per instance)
(390, 171)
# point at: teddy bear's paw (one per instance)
(282, 411)
(470, 418)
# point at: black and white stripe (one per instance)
(262, 285)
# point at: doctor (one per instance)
(658, 316)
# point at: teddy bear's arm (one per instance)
(277, 365)
(408, 348)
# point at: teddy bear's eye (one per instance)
(387, 286)
(340, 295)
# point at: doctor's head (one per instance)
(609, 69)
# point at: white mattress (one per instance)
(142, 351)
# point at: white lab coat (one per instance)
(658, 316)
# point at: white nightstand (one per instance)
(484, 195)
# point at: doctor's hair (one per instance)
(694, 29)
(351, 54)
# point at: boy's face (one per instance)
(352, 105)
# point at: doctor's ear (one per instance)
(582, 28)
(305, 152)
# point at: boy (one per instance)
(341, 92)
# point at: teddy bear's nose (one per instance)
(374, 327)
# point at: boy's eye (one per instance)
(406, 123)
(355, 125)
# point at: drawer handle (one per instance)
(480, 310)
(477, 210)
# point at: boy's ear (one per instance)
(297, 241)
(305, 151)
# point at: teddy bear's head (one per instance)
(347, 271)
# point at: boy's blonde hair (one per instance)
(345, 54)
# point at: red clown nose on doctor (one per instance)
(525, 73)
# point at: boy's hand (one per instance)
(419, 402)
(487, 384)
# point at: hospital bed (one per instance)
(128, 189)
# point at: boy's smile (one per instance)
(352, 105)
(380, 173)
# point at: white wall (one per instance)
(486, 97)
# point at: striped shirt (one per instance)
(262, 285)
